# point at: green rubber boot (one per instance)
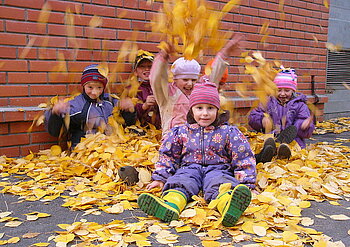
(233, 203)
(167, 208)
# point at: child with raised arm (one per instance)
(289, 115)
(172, 98)
(88, 112)
(200, 155)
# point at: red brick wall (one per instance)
(28, 76)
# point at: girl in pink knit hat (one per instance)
(201, 155)
(289, 115)
(172, 98)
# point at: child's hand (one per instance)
(155, 184)
(166, 49)
(60, 107)
(232, 45)
(126, 104)
(267, 124)
(150, 101)
(307, 122)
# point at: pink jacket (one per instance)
(173, 104)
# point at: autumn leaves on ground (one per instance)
(87, 179)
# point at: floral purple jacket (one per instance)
(189, 143)
(294, 112)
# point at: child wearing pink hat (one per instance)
(173, 98)
(201, 155)
(290, 116)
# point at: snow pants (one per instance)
(193, 178)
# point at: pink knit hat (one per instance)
(205, 93)
(286, 79)
(185, 69)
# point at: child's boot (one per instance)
(233, 203)
(167, 208)
(268, 151)
(287, 135)
(283, 152)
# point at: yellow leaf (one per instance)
(64, 238)
(259, 230)
(305, 204)
(43, 215)
(294, 210)
(185, 228)
(289, 236)
(214, 233)
(339, 217)
(187, 213)
(13, 240)
(208, 243)
(41, 244)
(14, 223)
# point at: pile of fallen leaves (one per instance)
(336, 125)
(88, 180)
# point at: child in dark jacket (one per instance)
(200, 155)
(88, 112)
(287, 113)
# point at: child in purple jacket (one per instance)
(200, 155)
(288, 113)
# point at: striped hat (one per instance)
(91, 73)
(286, 79)
(205, 93)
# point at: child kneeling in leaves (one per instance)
(202, 154)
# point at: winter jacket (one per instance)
(151, 115)
(293, 112)
(173, 104)
(190, 144)
(85, 115)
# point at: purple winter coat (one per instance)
(194, 158)
(294, 112)
(144, 115)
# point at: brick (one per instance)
(54, 17)
(17, 139)
(24, 77)
(91, 9)
(9, 151)
(37, 65)
(62, 6)
(47, 53)
(27, 149)
(24, 3)
(8, 52)
(13, 39)
(84, 43)
(101, 33)
(22, 127)
(63, 30)
(116, 22)
(64, 77)
(9, 90)
(36, 90)
(27, 53)
(4, 128)
(117, 3)
(131, 14)
(23, 27)
(26, 101)
(104, 2)
(49, 41)
(13, 65)
(42, 137)
(31, 115)
(12, 13)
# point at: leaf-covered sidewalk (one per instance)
(54, 199)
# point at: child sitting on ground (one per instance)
(289, 115)
(201, 155)
(88, 112)
(147, 110)
(172, 98)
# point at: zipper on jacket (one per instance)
(202, 145)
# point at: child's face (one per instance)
(284, 94)
(93, 89)
(185, 85)
(143, 69)
(204, 114)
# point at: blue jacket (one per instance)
(85, 115)
(191, 144)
